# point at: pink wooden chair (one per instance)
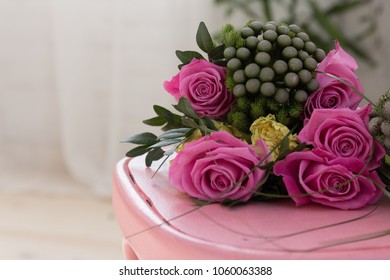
(158, 222)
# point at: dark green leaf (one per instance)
(138, 151)
(216, 53)
(203, 38)
(156, 121)
(209, 123)
(145, 138)
(161, 111)
(187, 56)
(166, 142)
(153, 155)
(175, 133)
(190, 123)
(220, 62)
(184, 106)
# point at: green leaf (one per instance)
(138, 151)
(166, 142)
(209, 123)
(187, 56)
(156, 121)
(175, 133)
(216, 53)
(184, 106)
(203, 38)
(190, 123)
(161, 111)
(145, 138)
(153, 155)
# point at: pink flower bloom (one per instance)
(333, 93)
(343, 133)
(210, 168)
(203, 84)
(319, 177)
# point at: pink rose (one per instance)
(203, 84)
(333, 93)
(343, 133)
(210, 168)
(319, 177)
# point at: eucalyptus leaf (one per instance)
(140, 150)
(216, 53)
(145, 138)
(203, 38)
(153, 155)
(175, 133)
(190, 123)
(166, 142)
(187, 56)
(156, 121)
(184, 106)
(161, 111)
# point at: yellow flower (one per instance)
(272, 132)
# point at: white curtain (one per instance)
(79, 76)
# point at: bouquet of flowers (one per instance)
(264, 113)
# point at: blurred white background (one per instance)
(77, 77)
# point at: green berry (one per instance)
(291, 80)
(262, 58)
(310, 47)
(252, 70)
(267, 89)
(297, 43)
(303, 36)
(284, 40)
(281, 95)
(283, 30)
(239, 90)
(251, 42)
(310, 64)
(289, 52)
(295, 64)
(385, 128)
(239, 77)
(234, 64)
(302, 55)
(246, 32)
(313, 85)
(304, 76)
(243, 54)
(319, 55)
(264, 46)
(256, 26)
(375, 125)
(386, 142)
(269, 26)
(270, 35)
(229, 52)
(294, 28)
(252, 86)
(267, 74)
(386, 109)
(280, 67)
(300, 96)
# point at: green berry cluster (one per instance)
(272, 66)
(379, 125)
